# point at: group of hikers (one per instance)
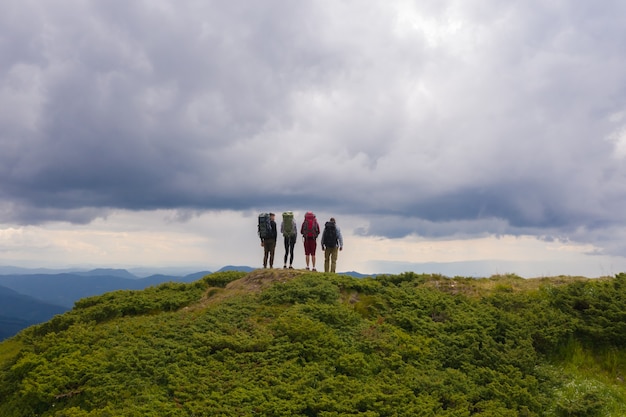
(332, 240)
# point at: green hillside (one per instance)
(293, 343)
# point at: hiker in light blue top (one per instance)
(332, 243)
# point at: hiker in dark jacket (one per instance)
(332, 243)
(269, 243)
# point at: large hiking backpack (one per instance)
(308, 228)
(264, 225)
(330, 235)
(288, 224)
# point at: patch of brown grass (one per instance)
(478, 287)
(252, 283)
(260, 279)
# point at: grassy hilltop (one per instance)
(293, 343)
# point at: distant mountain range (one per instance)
(66, 288)
(31, 296)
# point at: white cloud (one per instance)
(618, 138)
(445, 120)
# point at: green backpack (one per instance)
(288, 224)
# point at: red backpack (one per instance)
(310, 228)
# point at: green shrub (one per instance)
(580, 399)
(308, 288)
(221, 279)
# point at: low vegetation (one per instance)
(292, 343)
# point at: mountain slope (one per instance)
(18, 311)
(292, 343)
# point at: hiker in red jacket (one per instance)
(310, 230)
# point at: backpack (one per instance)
(288, 224)
(308, 227)
(264, 225)
(330, 235)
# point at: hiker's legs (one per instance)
(292, 244)
(333, 257)
(326, 258)
(309, 251)
(313, 249)
(272, 250)
(287, 239)
(266, 253)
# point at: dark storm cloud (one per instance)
(440, 119)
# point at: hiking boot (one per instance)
(290, 267)
(314, 270)
(285, 267)
(307, 268)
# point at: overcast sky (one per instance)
(483, 135)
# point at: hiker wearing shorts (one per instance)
(269, 243)
(310, 230)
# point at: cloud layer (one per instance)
(439, 119)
